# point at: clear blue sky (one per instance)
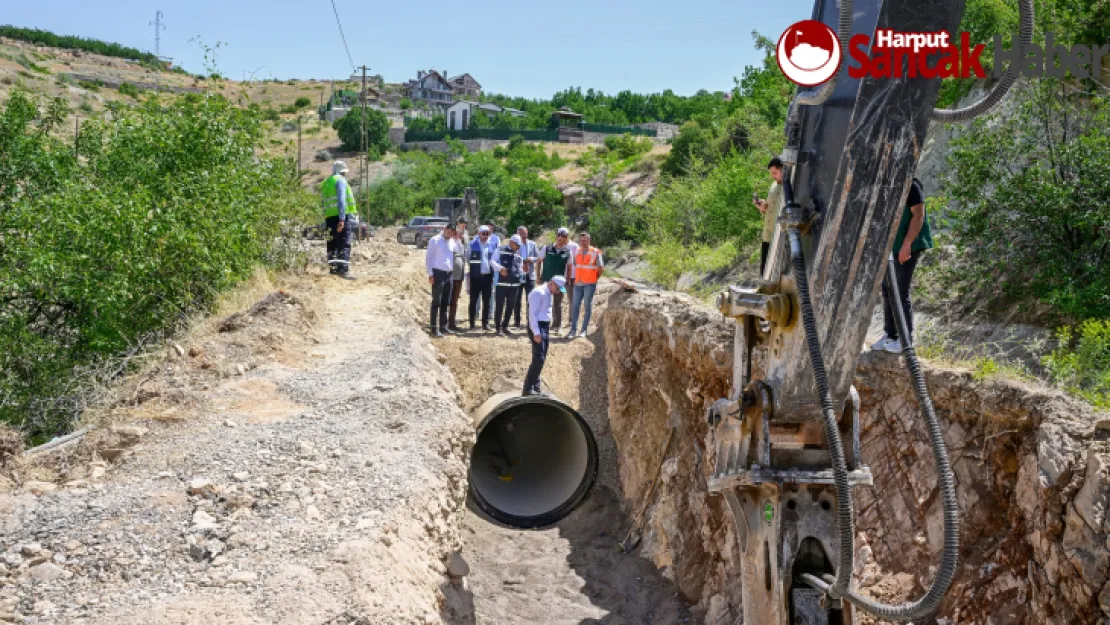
(528, 48)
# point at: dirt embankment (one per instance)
(283, 467)
(1032, 468)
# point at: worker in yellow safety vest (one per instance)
(340, 212)
(587, 267)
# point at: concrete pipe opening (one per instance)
(534, 461)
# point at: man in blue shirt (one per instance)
(483, 267)
(496, 241)
(530, 254)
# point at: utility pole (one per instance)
(300, 118)
(158, 28)
(363, 174)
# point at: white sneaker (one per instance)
(882, 344)
(570, 335)
(894, 346)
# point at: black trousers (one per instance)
(763, 249)
(522, 293)
(506, 295)
(481, 290)
(441, 298)
(339, 245)
(903, 272)
(539, 357)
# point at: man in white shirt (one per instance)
(539, 322)
(439, 260)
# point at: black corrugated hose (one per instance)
(1025, 37)
(845, 516)
(928, 604)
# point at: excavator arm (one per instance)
(787, 440)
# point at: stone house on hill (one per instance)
(431, 88)
(465, 87)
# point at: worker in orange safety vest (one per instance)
(588, 266)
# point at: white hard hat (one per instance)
(339, 167)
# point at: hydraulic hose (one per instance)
(928, 604)
(1025, 37)
(845, 516)
(844, 34)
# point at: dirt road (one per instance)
(303, 461)
(320, 483)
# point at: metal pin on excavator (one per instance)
(787, 440)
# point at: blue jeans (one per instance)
(581, 291)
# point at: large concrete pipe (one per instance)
(534, 461)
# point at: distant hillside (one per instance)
(71, 42)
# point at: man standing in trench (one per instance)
(539, 322)
(338, 202)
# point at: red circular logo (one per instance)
(808, 53)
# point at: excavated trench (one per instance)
(549, 464)
(1031, 464)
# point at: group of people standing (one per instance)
(502, 277)
(499, 276)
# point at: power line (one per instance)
(342, 36)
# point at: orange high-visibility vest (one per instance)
(586, 268)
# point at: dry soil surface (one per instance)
(303, 461)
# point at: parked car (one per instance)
(360, 231)
(420, 230)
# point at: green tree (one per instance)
(405, 104)
(693, 143)
(302, 102)
(349, 128)
(480, 120)
(169, 205)
(421, 124)
(1033, 201)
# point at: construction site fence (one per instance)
(498, 134)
